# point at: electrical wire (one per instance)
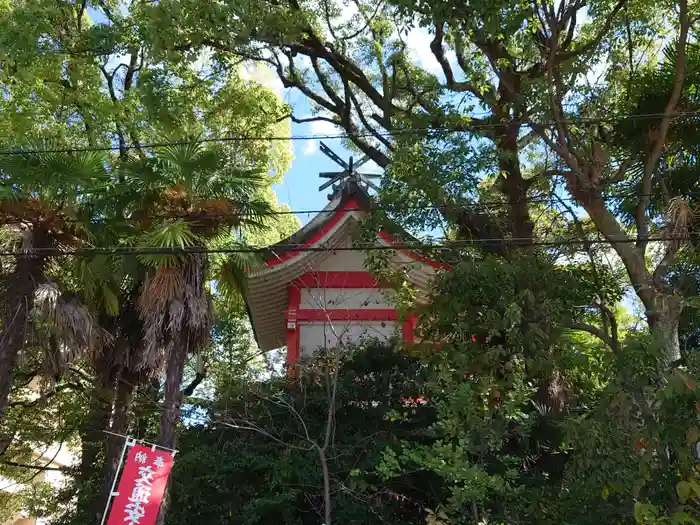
(389, 133)
(375, 209)
(415, 246)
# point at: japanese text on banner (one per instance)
(141, 487)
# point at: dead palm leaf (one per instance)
(73, 329)
(680, 216)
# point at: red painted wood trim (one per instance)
(347, 314)
(408, 329)
(413, 255)
(294, 296)
(292, 319)
(335, 219)
(337, 280)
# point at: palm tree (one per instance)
(45, 206)
(189, 197)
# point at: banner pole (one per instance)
(136, 440)
(127, 443)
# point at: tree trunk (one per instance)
(514, 187)
(120, 425)
(664, 317)
(20, 300)
(172, 401)
(663, 311)
(92, 495)
(145, 419)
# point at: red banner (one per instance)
(141, 487)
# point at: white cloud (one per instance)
(418, 41)
(263, 75)
(203, 63)
(311, 147)
(319, 127)
(347, 11)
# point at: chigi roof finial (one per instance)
(348, 174)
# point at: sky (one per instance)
(299, 188)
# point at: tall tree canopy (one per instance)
(588, 88)
(84, 77)
(555, 144)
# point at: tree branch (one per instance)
(597, 38)
(189, 389)
(658, 146)
(47, 396)
(36, 467)
(299, 120)
(376, 134)
(591, 330)
(245, 425)
(439, 53)
(614, 337)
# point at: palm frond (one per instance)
(680, 217)
(175, 301)
(70, 323)
(169, 235)
(232, 272)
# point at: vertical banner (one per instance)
(141, 486)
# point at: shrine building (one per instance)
(314, 290)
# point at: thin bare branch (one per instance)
(246, 425)
(652, 161)
(319, 118)
(46, 396)
(591, 330)
(595, 41)
(34, 467)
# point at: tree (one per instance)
(190, 195)
(45, 207)
(253, 461)
(121, 94)
(511, 80)
(84, 76)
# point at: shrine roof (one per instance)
(350, 192)
(331, 230)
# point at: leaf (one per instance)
(692, 435)
(689, 381)
(111, 301)
(679, 518)
(683, 488)
(643, 511)
(695, 486)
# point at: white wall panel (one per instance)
(352, 298)
(344, 260)
(315, 336)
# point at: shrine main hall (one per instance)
(315, 290)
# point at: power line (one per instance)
(373, 209)
(366, 134)
(413, 246)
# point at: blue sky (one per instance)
(299, 188)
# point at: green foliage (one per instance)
(231, 475)
(83, 75)
(544, 405)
